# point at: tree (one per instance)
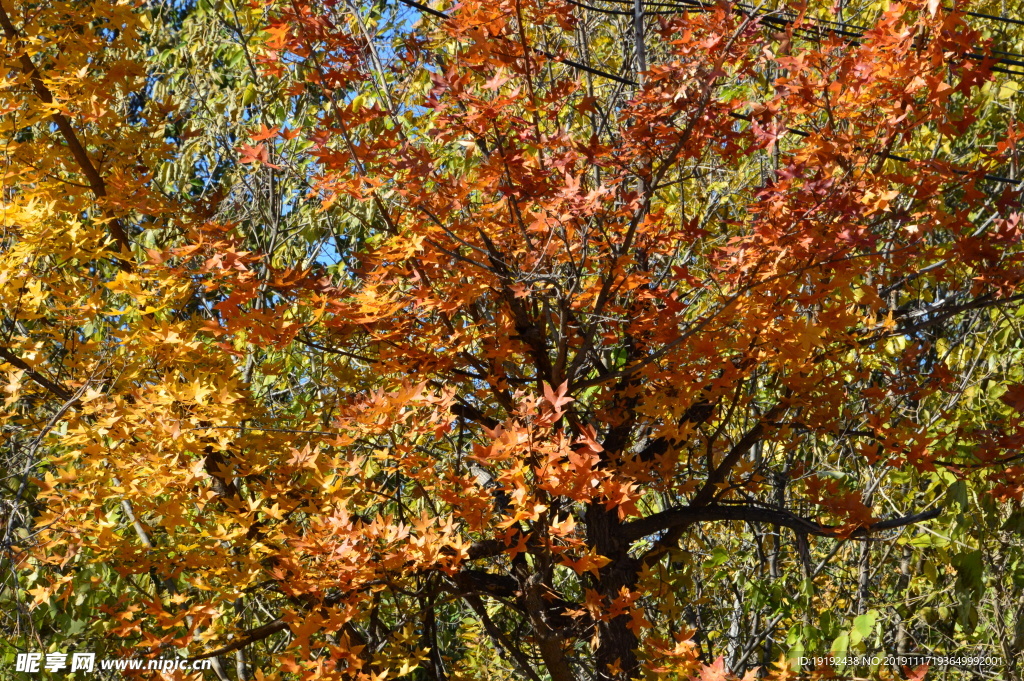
(501, 327)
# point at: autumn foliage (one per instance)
(482, 338)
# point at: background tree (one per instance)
(514, 339)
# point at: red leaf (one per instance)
(1014, 397)
(256, 154)
(917, 674)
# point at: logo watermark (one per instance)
(33, 663)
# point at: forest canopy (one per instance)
(513, 339)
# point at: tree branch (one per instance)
(687, 515)
(521, 660)
(11, 358)
(707, 492)
(248, 637)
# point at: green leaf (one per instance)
(970, 570)
(862, 626)
(249, 96)
(718, 556)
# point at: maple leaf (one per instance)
(917, 673)
(266, 133)
(557, 397)
(781, 669)
(715, 671)
(588, 562)
(13, 387)
(253, 154)
(495, 83)
(1014, 397)
(520, 290)
(638, 621)
(278, 36)
(41, 594)
(256, 154)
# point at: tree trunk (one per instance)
(615, 657)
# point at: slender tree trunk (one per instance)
(734, 649)
(864, 568)
(902, 639)
(435, 669)
(638, 40)
(615, 656)
(863, 577)
(548, 640)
